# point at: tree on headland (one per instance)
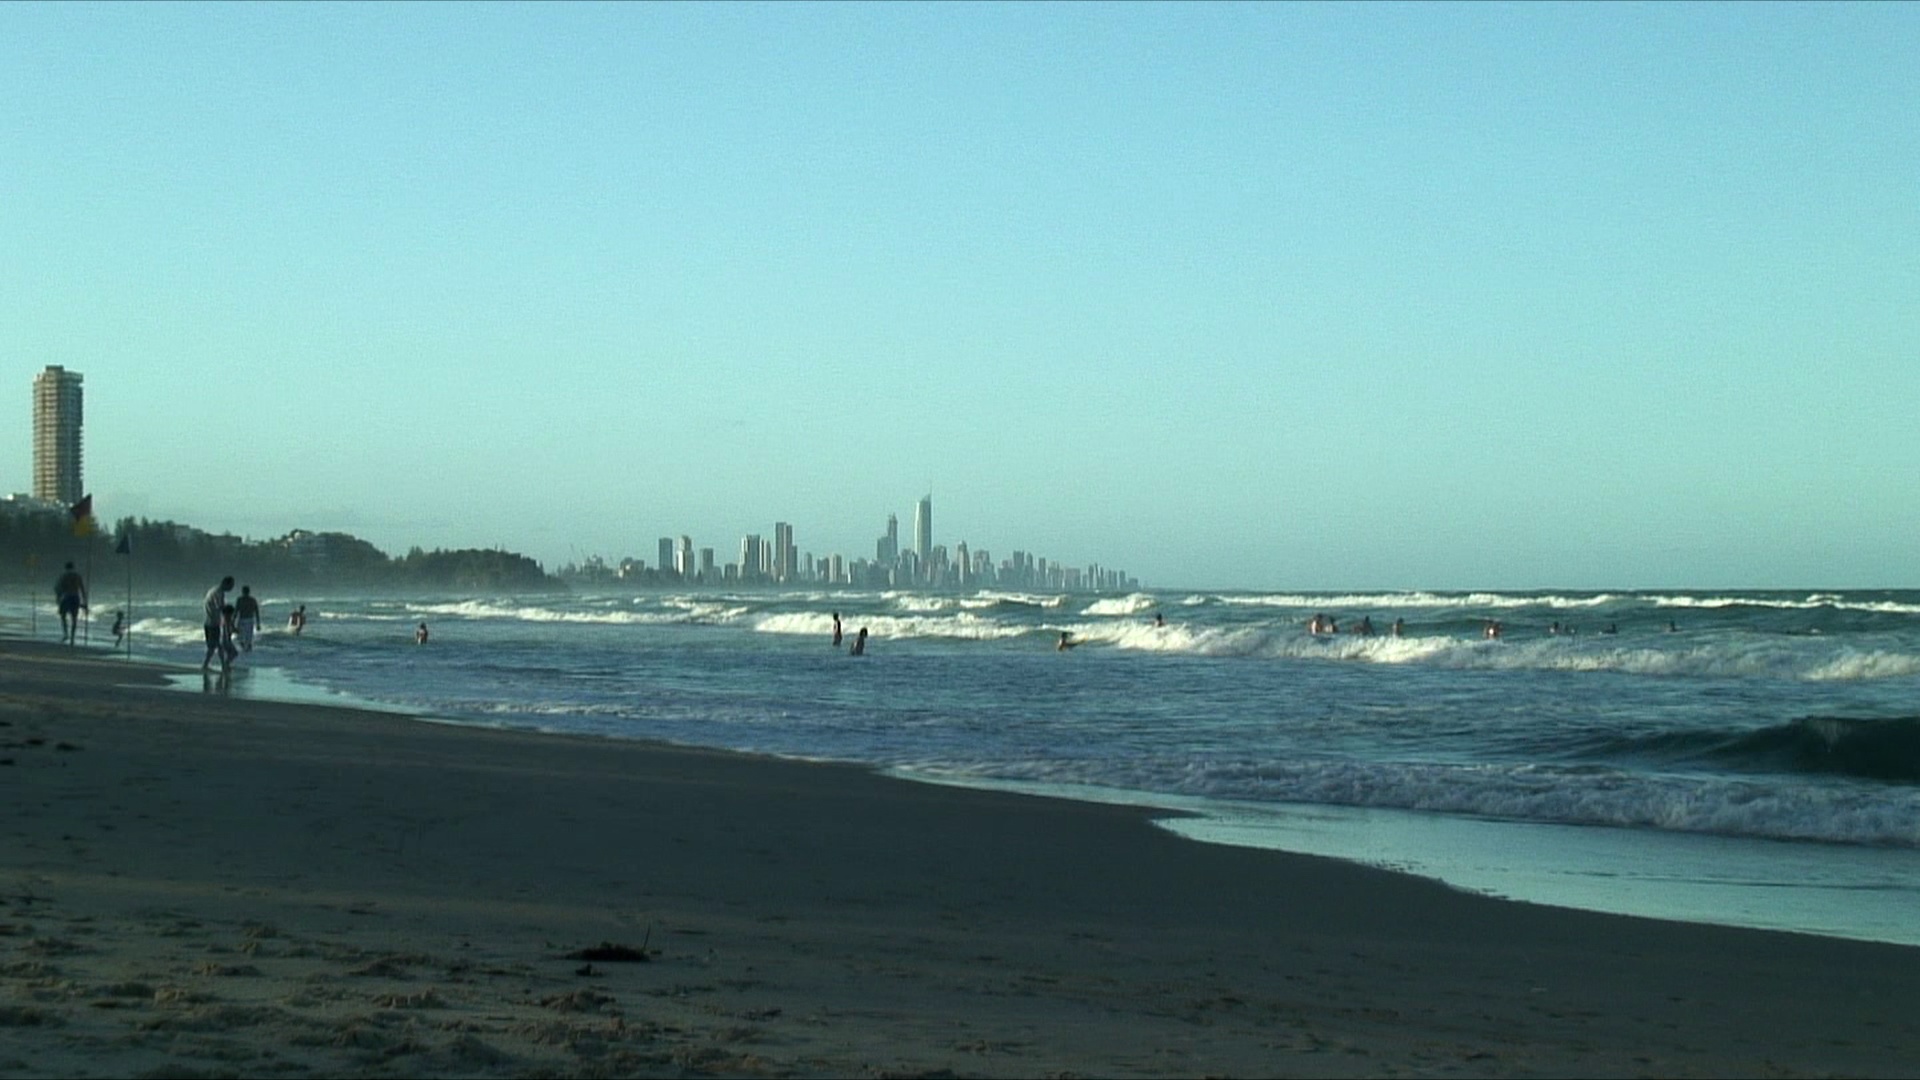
(173, 556)
(488, 571)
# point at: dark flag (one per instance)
(125, 546)
(82, 512)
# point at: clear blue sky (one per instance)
(1265, 295)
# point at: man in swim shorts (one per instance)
(247, 618)
(71, 594)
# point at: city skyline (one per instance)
(1293, 296)
(929, 565)
(59, 429)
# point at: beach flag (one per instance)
(125, 546)
(82, 512)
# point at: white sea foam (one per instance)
(961, 625)
(1813, 602)
(1728, 656)
(993, 596)
(1121, 605)
(1411, 600)
(167, 630)
(485, 609)
(920, 602)
(1877, 815)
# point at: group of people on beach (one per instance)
(230, 627)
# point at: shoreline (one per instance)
(239, 886)
(1690, 877)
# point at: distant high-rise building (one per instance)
(923, 529)
(666, 555)
(784, 553)
(887, 551)
(750, 557)
(56, 436)
(683, 559)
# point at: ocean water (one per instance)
(1750, 758)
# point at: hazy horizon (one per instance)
(1300, 296)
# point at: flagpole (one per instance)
(86, 606)
(126, 548)
(82, 513)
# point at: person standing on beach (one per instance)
(836, 629)
(247, 612)
(859, 643)
(420, 634)
(216, 599)
(297, 621)
(70, 593)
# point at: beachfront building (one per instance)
(56, 436)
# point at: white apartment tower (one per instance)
(784, 554)
(923, 529)
(56, 436)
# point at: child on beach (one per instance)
(229, 652)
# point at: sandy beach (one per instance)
(200, 885)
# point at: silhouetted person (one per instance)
(246, 617)
(215, 622)
(859, 643)
(70, 594)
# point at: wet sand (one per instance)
(199, 885)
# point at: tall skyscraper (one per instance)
(784, 553)
(750, 557)
(887, 551)
(923, 529)
(666, 555)
(56, 436)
